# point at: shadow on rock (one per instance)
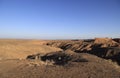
(57, 58)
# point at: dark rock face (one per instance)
(112, 53)
(31, 57)
(101, 52)
(36, 56)
(117, 40)
(116, 58)
(104, 48)
(107, 53)
(66, 46)
(58, 58)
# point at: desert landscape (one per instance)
(59, 39)
(85, 58)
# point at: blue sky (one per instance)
(59, 19)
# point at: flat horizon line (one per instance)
(54, 38)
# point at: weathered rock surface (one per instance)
(103, 47)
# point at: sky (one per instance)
(59, 19)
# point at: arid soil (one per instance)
(90, 58)
(19, 49)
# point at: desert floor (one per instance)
(92, 58)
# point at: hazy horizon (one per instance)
(59, 19)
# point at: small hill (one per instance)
(102, 47)
(94, 67)
(106, 42)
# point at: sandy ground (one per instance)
(20, 49)
(98, 68)
(13, 63)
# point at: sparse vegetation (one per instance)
(59, 58)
